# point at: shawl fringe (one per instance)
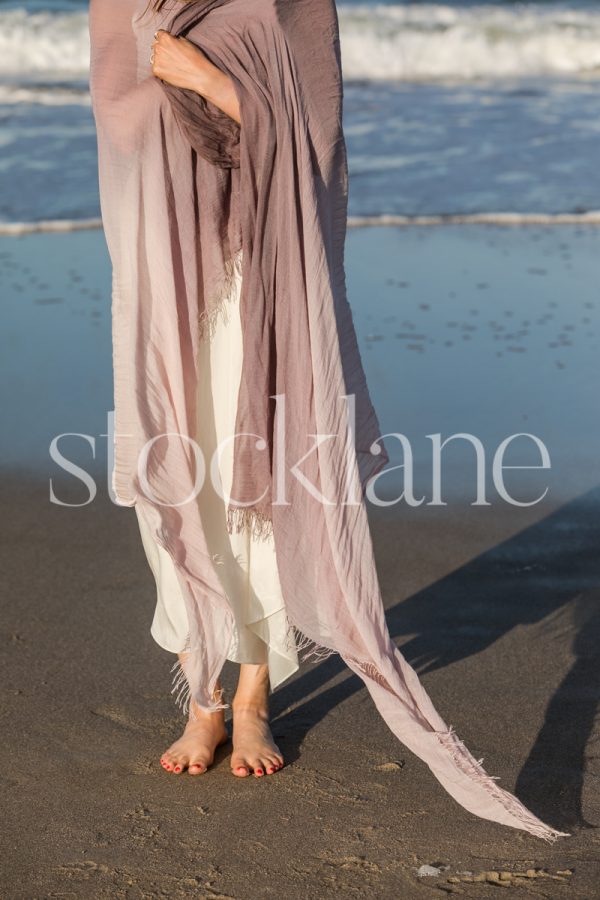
(295, 638)
(183, 692)
(218, 308)
(310, 649)
(473, 768)
(181, 687)
(246, 518)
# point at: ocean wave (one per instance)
(55, 44)
(17, 229)
(435, 41)
(589, 217)
(44, 95)
(507, 219)
(399, 42)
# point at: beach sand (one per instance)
(496, 605)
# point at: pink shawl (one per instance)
(183, 189)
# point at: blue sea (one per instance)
(452, 108)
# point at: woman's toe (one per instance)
(196, 768)
(240, 767)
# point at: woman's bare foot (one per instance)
(195, 749)
(254, 749)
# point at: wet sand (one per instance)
(496, 606)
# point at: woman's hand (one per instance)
(180, 63)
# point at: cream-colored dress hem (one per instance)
(246, 566)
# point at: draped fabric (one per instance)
(184, 188)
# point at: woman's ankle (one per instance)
(253, 690)
(196, 714)
(253, 705)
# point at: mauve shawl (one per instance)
(183, 189)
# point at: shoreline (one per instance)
(501, 218)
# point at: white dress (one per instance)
(246, 566)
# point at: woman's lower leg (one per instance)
(254, 750)
(195, 749)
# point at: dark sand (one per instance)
(496, 606)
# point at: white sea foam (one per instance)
(44, 42)
(591, 217)
(435, 41)
(507, 219)
(399, 42)
(17, 229)
(45, 96)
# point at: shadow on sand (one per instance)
(524, 580)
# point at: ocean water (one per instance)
(452, 108)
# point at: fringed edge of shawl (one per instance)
(473, 768)
(183, 692)
(245, 518)
(218, 307)
(295, 639)
(181, 687)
